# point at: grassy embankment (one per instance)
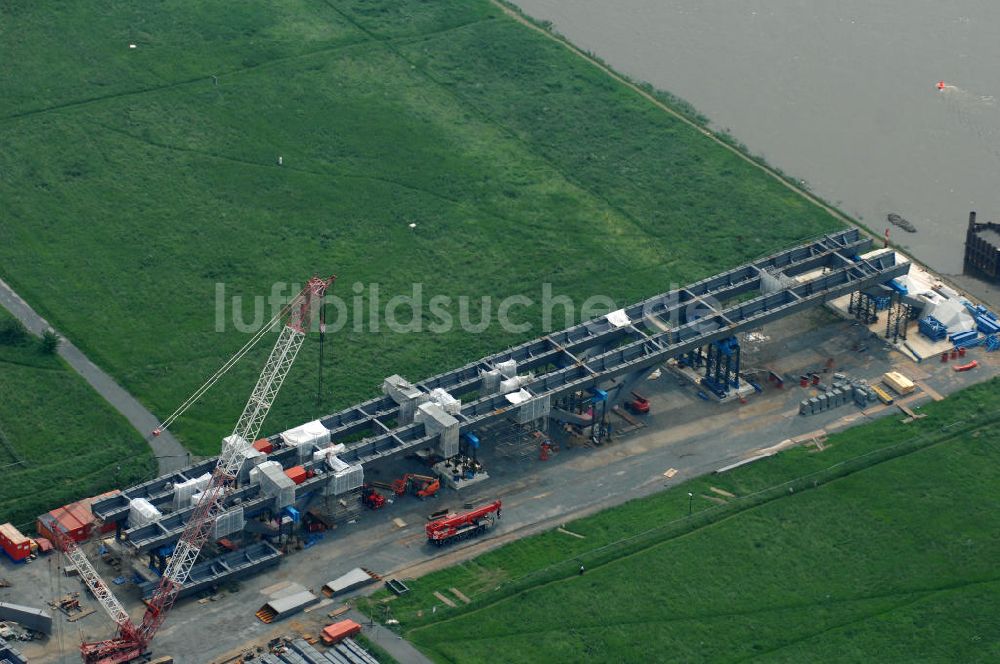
(150, 174)
(59, 440)
(880, 547)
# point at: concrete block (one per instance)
(836, 398)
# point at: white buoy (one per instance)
(280, 161)
(413, 225)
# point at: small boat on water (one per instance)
(896, 220)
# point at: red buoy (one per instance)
(940, 85)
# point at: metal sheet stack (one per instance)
(406, 396)
(184, 490)
(437, 422)
(142, 513)
(38, 620)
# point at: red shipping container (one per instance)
(337, 632)
(75, 519)
(14, 543)
(297, 474)
(263, 445)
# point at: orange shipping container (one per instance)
(297, 474)
(337, 632)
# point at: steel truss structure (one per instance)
(610, 354)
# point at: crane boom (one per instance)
(131, 640)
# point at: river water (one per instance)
(840, 94)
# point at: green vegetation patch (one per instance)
(59, 440)
(880, 546)
(151, 175)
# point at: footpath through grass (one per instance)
(59, 440)
(882, 547)
(151, 175)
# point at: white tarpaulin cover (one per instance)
(184, 490)
(952, 314)
(450, 404)
(618, 318)
(518, 397)
(305, 436)
(141, 513)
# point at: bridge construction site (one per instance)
(343, 490)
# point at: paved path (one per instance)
(170, 454)
(401, 650)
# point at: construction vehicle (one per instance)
(638, 405)
(131, 640)
(371, 498)
(422, 486)
(455, 527)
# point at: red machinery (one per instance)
(372, 498)
(639, 404)
(456, 527)
(422, 486)
(131, 640)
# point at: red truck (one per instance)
(456, 527)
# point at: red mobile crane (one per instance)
(456, 527)
(131, 640)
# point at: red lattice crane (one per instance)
(131, 640)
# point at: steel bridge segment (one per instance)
(168, 529)
(160, 491)
(597, 351)
(578, 341)
(843, 277)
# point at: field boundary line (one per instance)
(9, 448)
(177, 84)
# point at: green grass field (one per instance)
(134, 181)
(881, 547)
(60, 441)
